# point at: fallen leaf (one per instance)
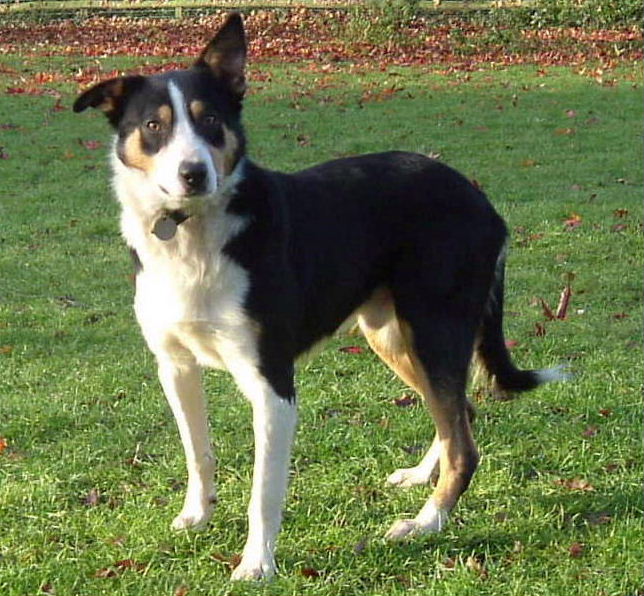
(575, 484)
(90, 145)
(605, 412)
(539, 329)
(106, 573)
(48, 588)
(576, 550)
(309, 572)
(351, 349)
(6, 349)
(93, 498)
(529, 163)
(182, 590)
(232, 561)
(547, 311)
(620, 227)
(564, 302)
(617, 315)
(405, 401)
(476, 565)
(565, 131)
(3, 444)
(620, 212)
(598, 518)
(591, 431)
(572, 221)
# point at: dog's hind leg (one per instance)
(378, 322)
(440, 346)
(182, 385)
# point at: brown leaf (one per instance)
(539, 329)
(405, 401)
(476, 565)
(130, 564)
(48, 588)
(591, 431)
(605, 412)
(106, 573)
(565, 131)
(529, 163)
(3, 444)
(547, 311)
(181, 590)
(351, 349)
(90, 144)
(575, 484)
(232, 561)
(309, 572)
(93, 498)
(598, 518)
(572, 221)
(564, 303)
(576, 549)
(620, 212)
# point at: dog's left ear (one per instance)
(225, 55)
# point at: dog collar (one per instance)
(165, 227)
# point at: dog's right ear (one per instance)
(109, 96)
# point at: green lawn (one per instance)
(92, 472)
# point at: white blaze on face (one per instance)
(185, 145)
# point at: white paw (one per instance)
(254, 570)
(194, 518)
(407, 477)
(401, 529)
(431, 519)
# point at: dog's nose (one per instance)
(193, 174)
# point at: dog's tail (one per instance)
(492, 353)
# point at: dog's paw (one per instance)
(407, 477)
(193, 518)
(254, 570)
(401, 529)
(431, 519)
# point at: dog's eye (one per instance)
(153, 125)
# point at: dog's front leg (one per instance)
(183, 388)
(274, 420)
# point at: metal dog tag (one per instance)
(165, 228)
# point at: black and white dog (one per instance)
(245, 269)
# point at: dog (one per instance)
(245, 269)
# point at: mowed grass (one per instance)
(93, 471)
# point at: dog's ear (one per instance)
(109, 96)
(225, 55)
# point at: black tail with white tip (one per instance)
(492, 351)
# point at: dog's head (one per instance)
(179, 132)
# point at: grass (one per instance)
(93, 473)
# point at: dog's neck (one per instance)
(157, 232)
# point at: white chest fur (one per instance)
(189, 294)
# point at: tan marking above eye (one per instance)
(197, 108)
(165, 115)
